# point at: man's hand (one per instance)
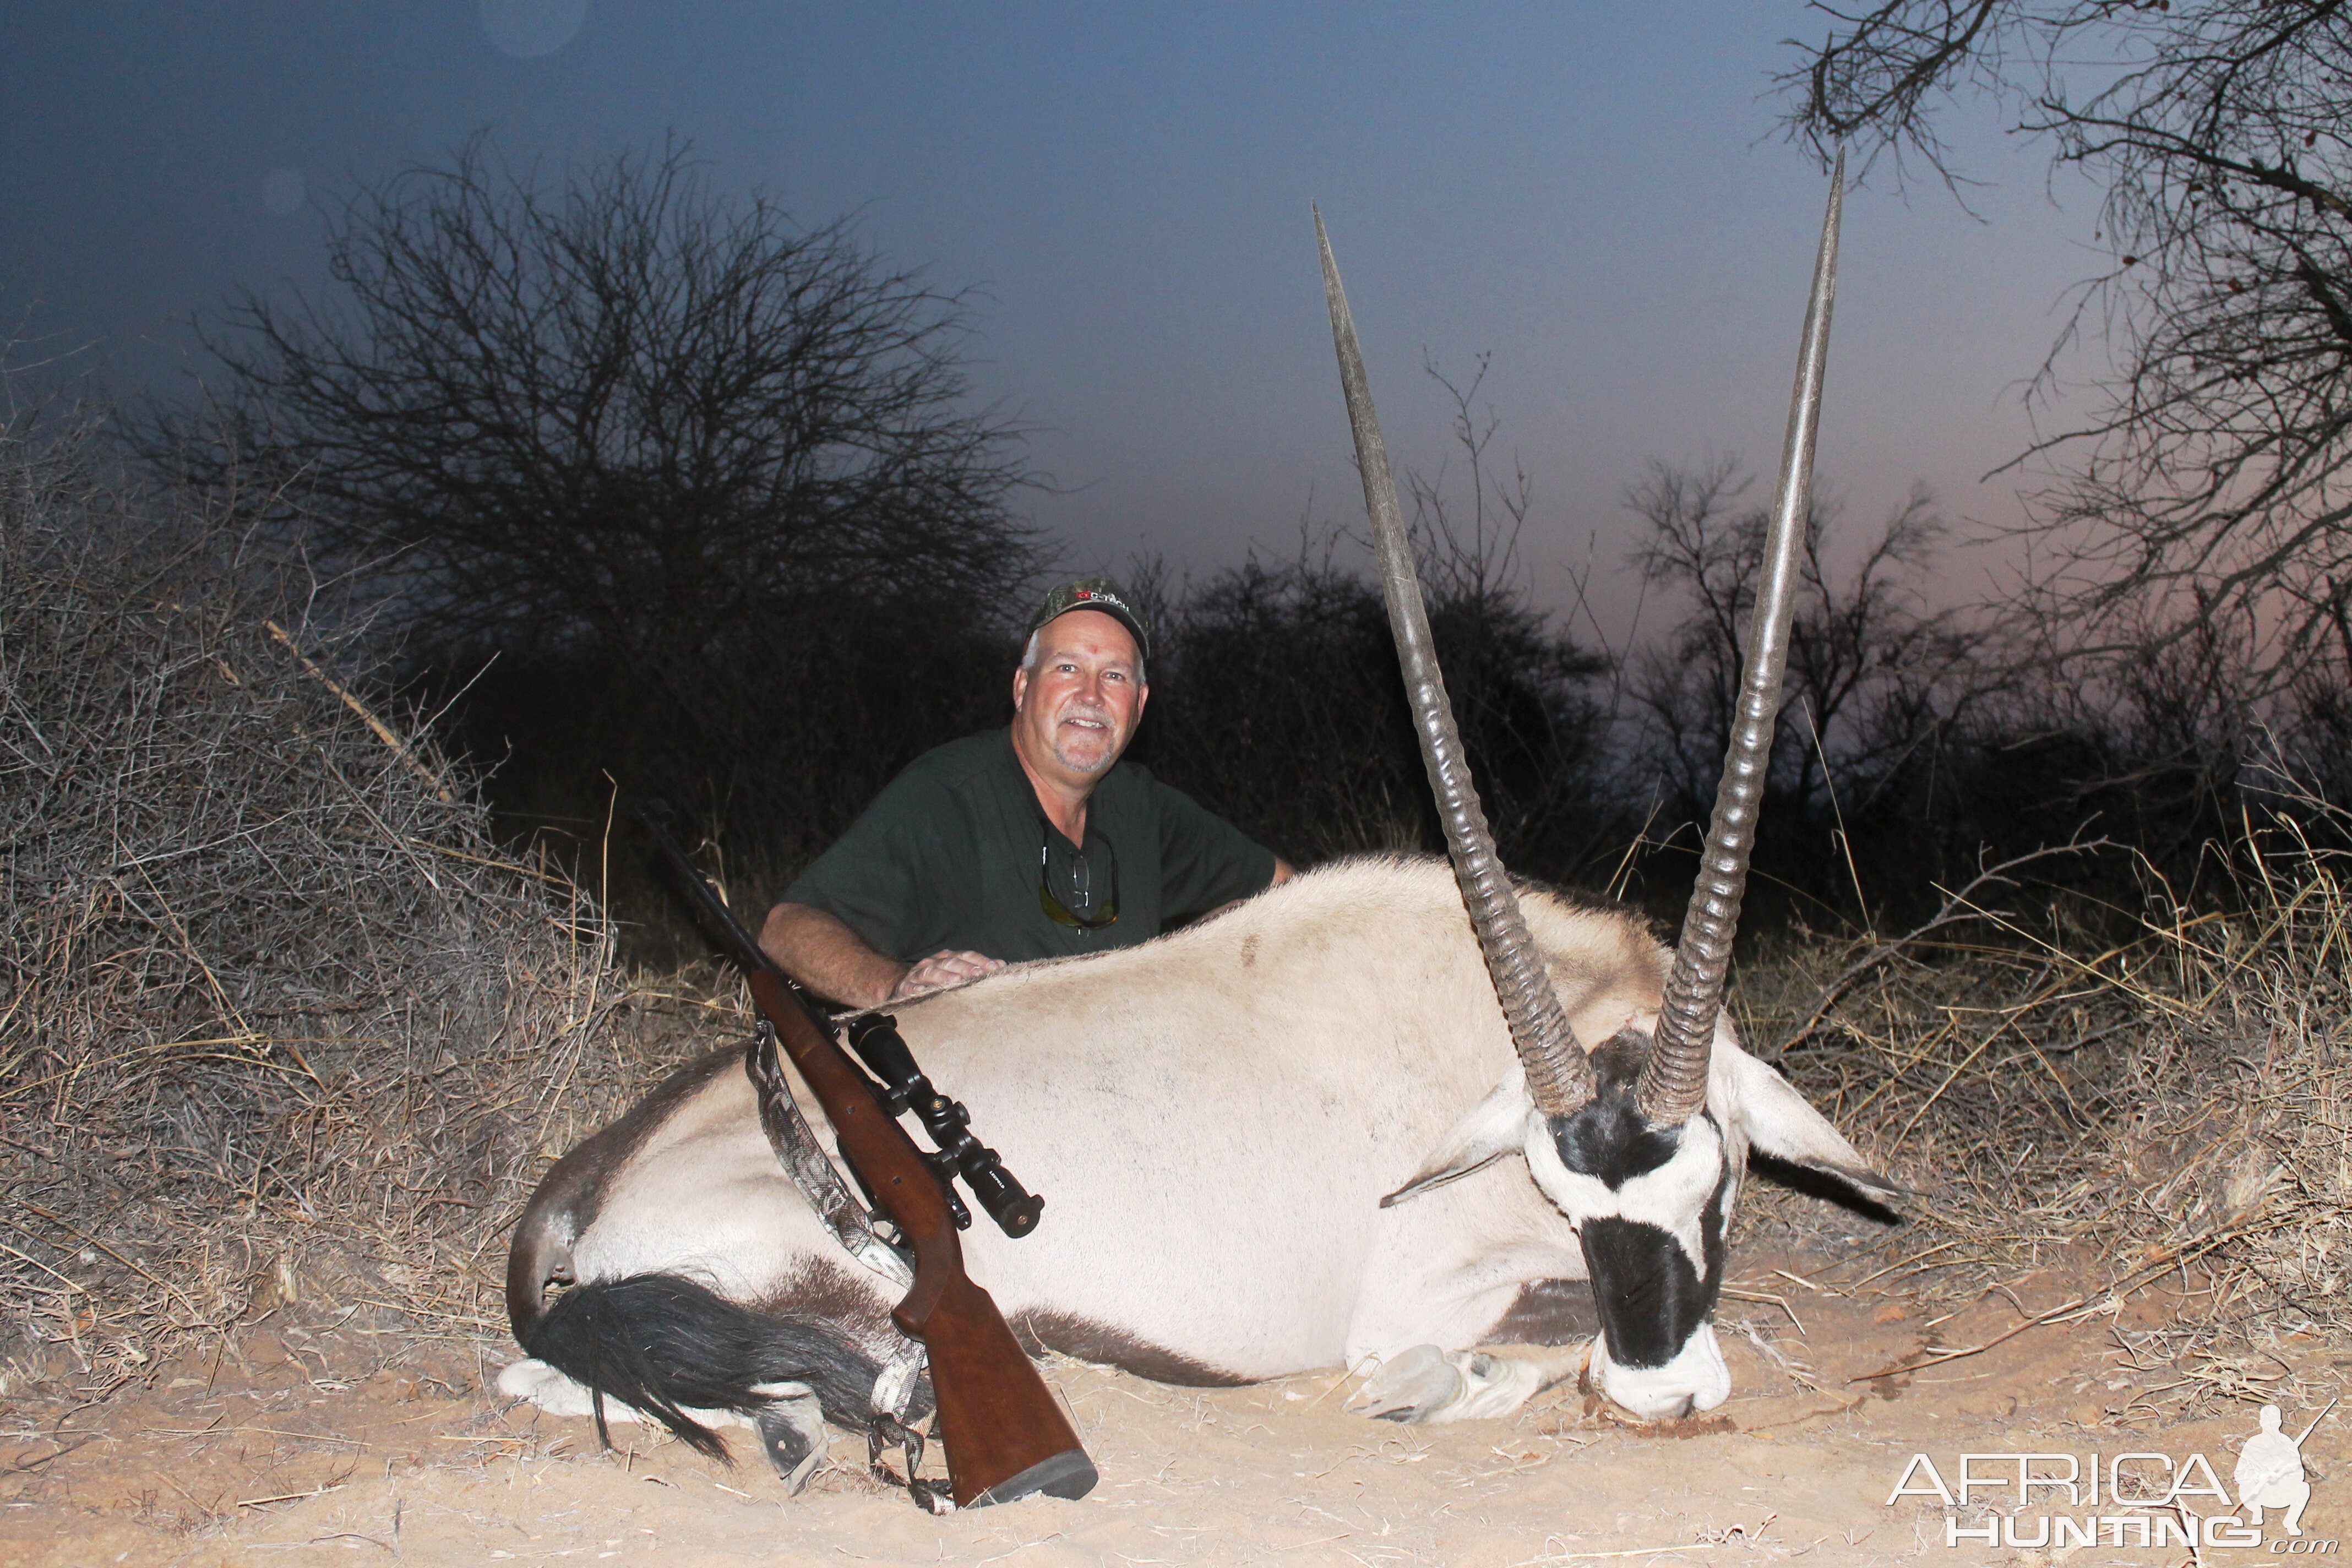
(823, 955)
(943, 969)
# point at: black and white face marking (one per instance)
(1649, 1206)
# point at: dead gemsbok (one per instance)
(1361, 1118)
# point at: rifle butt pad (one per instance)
(1068, 1474)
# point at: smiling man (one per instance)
(1034, 841)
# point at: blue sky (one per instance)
(1593, 192)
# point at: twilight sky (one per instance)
(1593, 191)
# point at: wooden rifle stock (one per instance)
(1004, 1431)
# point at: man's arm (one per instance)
(1207, 863)
(822, 952)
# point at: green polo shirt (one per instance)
(947, 858)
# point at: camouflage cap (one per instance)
(1095, 594)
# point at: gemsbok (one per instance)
(1371, 1117)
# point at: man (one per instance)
(1034, 841)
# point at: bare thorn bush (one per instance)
(279, 1019)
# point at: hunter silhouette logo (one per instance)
(2270, 1472)
(2140, 1499)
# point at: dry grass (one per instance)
(2153, 1098)
(277, 1015)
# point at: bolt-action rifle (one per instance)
(1004, 1433)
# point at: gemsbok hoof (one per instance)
(1425, 1384)
(792, 1436)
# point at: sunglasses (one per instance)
(1080, 885)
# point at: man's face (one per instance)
(1080, 703)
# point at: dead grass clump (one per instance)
(275, 1015)
(2155, 1098)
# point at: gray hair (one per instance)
(1029, 659)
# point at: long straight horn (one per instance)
(1559, 1078)
(1674, 1081)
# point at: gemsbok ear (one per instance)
(1781, 1123)
(1497, 1126)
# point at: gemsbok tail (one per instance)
(666, 1346)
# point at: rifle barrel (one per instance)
(741, 944)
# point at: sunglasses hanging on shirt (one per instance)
(1079, 888)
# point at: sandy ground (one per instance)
(304, 1444)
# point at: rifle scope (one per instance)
(875, 1039)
